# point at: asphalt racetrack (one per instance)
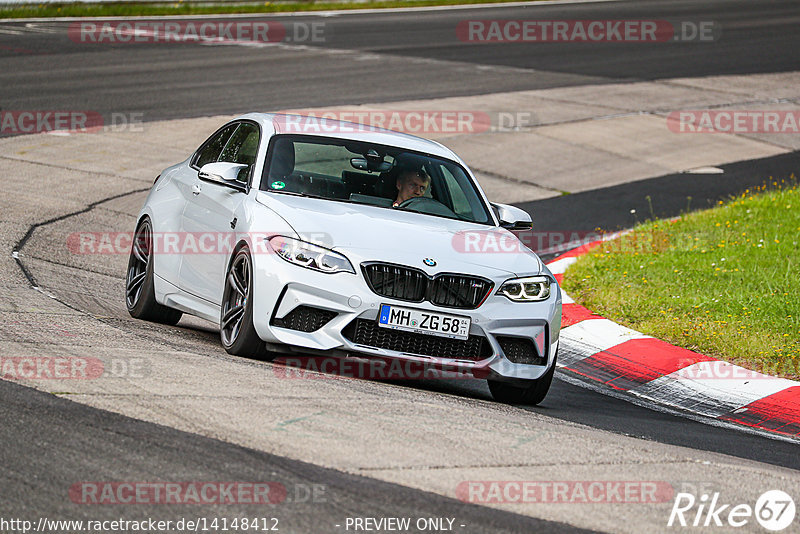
(373, 449)
(381, 57)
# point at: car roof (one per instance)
(282, 123)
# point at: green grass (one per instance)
(130, 9)
(724, 282)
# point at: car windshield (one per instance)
(376, 175)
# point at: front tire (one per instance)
(530, 392)
(140, 297)
(236, 330)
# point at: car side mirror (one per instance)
(512, 218)
(224, 173)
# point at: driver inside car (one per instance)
(411, 183)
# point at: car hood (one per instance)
(369, 233)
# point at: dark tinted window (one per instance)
(242, 146)
(211, 149)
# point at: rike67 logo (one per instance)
(774, 510)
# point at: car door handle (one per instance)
(196, 189)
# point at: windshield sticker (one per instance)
(277, 185)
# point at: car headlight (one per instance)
(529, 289)
(310, 256)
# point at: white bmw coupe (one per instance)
(330, 238)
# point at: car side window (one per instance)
(460, 203)
(242, 146)
(210, 151)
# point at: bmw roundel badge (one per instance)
(430, 262)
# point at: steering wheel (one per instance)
(427, 205)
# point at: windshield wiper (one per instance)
(293, 193)
(456, 218)
(308, 195)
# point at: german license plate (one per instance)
(424, 322)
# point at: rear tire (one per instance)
(140, 297)
(236, 330)
(530, 392)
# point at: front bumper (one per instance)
(289, 299)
